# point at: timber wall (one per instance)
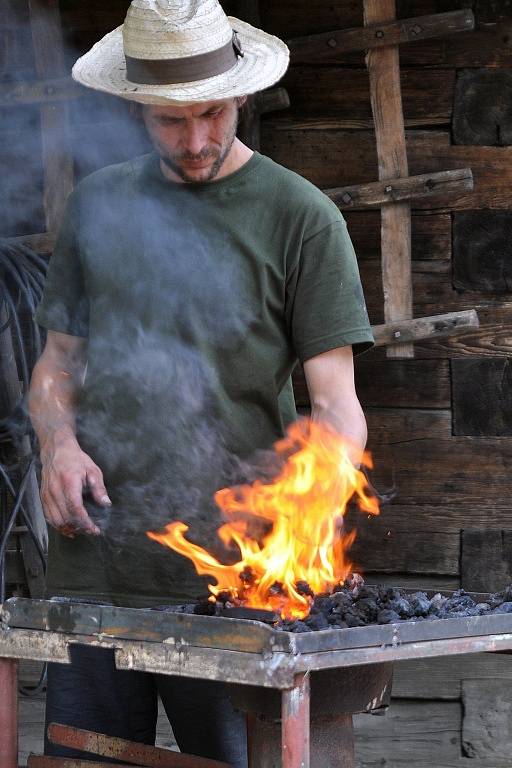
(441, 424)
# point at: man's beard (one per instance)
(172, 162)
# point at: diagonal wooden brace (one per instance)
(122, 749)
(327, 45)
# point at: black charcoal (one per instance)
(386, 616)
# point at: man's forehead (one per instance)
(191, 110)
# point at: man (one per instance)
(183, 288)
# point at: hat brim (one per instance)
(264, 62)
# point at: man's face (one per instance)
(193, 141)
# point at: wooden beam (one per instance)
(43, 243)
(39, 91)
(272, 100)
(375, 34)
(421, 328)
(386, 98)
(380, 193)
(50, 64)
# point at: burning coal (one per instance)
(289, 530)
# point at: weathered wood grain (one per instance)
(442, 678)
(447, 472)
(333, 97)
(410, 189)
(403, 384)
(57, 159)
(417, 730)
(482, 396)
(337, 158)
(431, 235)
(487, 725)
(395, 384)
(385, 550)
(316, 48)
(445, 517)
(482, 251)
(486, 559)
(386, 100)
(492, 339)
(451, 324)
(482, 112)
(393, 425)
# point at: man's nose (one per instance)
(195, 137)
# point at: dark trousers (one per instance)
(92, 694)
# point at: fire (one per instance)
(302, 510)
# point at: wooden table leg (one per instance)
(9, 713)
(296, 723)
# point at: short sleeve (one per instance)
(65, 307)
(326, 306)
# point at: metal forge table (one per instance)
(346, 670)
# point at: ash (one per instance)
(355, 604)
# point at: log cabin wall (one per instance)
(440, 424)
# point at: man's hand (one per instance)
(66, 473)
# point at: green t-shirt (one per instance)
(196, 300)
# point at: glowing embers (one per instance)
(303, 550)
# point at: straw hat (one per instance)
(182, 52)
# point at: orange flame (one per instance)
(303, 508)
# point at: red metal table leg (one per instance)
(9, 713)
(295, 723)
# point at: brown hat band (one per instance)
(185, 70)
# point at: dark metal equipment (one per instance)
(299, 690)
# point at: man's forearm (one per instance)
(52, 403)
(348, 419)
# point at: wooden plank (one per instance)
(431, 235)
(43, 243)
(393, 425)
(482, 250)
(442, 678)
(492, 339)
(447, 472)
(444, 516)
(482, 397)
(486, 725)
(386, 99)
(413, 384)
(378, 548)
(57, 160)
(451, 324)
(412, 188)
(486, 559)
(481, 113)
(352, 160)
(377, 33)
(419, 729)
(404, 384)
(317, 101)
(38, 91)
(290, 18)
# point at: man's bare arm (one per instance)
(330, 380)
(66, 470)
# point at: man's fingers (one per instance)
(77, 514)
(97, 488)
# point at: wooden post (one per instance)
(57, 159)
(386, 98)
(9, 713)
